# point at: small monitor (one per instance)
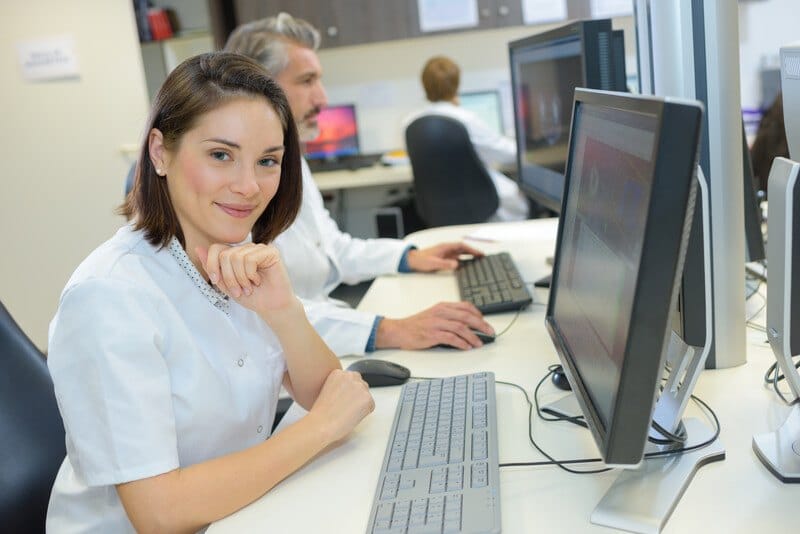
(545, 70)
(338, 133)
(486, 105)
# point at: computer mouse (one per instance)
(484, 337)
(559, 378)
(378, 373)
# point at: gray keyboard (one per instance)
(492, 283)
(440, 471)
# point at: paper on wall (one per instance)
(541, 11)
(48, 59)
(436, 15)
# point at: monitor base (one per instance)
(779, 451)
(566, 406)
(642, 499)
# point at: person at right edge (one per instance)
(317, 254)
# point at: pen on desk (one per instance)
(483, 239)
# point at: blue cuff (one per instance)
(403, 267)
(373, 334)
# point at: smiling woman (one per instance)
(172, 339)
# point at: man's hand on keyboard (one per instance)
(443, 256)
(446, 323)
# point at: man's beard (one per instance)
(307, 133)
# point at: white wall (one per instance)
(764, 26)
(384, 79)
(62, 174)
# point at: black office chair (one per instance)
(31, 431)
(451, 184)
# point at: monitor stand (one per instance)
(566, 406)
(779, 451)
(642, 499)
(544, 281)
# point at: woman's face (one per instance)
(224, 171)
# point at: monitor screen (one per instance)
(486, 105)
(627, 201)
(338, 133)
(545, 70)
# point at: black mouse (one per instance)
(485, 339)
(560, 380)
(377, 373)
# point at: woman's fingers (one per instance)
(237, 270)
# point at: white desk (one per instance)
(334, 492)
(364, 177)
(352, 196)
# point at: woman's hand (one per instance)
(342, 403)
(443, 256)
(252, 274)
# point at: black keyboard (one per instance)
(352, 163)
(492, 283)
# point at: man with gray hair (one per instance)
(317, 255)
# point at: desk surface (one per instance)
(365, 177)
(333, 493)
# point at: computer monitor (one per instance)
(486, 105)
(777, 450)
(790, 88)
(545, 70)
(338, 133)
(629, 199)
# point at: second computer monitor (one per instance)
(545, 70)
(628, 202)
(486, 105)
(338, 133)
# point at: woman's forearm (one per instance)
(187, 499)
(309, 361)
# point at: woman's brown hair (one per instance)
(197, 86)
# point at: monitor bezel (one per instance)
(669, 216)
(587, 33)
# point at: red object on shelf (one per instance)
(160, 28)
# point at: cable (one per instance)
(578, 419)
(562, 463)
(772, 377)
(513, 320)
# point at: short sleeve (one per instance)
(112, 382)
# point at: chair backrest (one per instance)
(451, 184)
(31, 431)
